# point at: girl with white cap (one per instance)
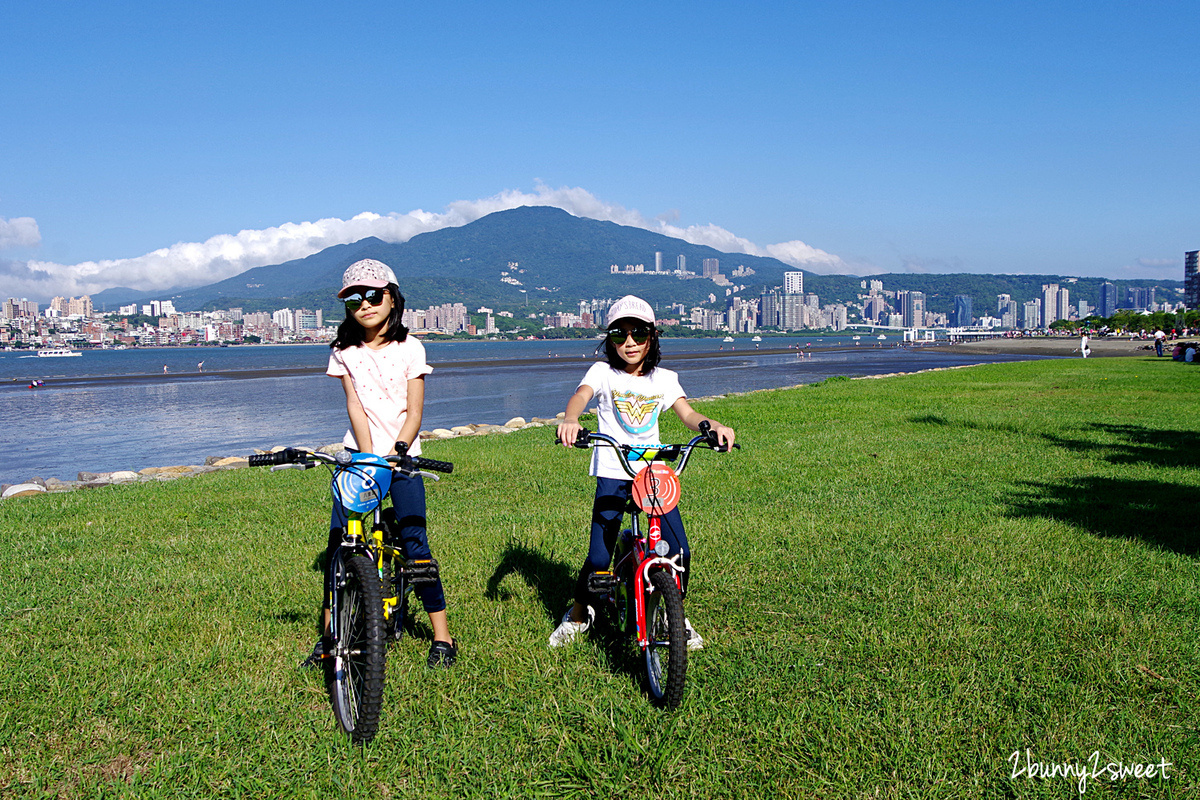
(631, 390)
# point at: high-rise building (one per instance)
(793, 283)
(658, 261)
(710, 267)
(1033, 314)
(1139, 297)
(1191, 279)
(681, 262)
(769, 308)
(1108, 299)
(913, 309)
(791, 313)
(963, 312)
(1007, 308)
(1049, 303)
(1063, 308)
(1085, 310)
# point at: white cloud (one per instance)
(19, 232)
(189, 264)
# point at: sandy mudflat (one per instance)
(1056, 346)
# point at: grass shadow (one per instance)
(1162, 515)
(1138, 444)
(1135, 444)
(553, 580)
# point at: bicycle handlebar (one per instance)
(663, 452)
(301, 458)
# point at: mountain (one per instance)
(560, 258)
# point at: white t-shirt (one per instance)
(628, 407)
(381, 379)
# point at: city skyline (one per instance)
(162, 148)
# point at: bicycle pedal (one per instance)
(420, 572)
(601, 582)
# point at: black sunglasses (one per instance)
(372, 297)
(640, 334)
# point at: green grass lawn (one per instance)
(902, 583)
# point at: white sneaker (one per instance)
(567, 630)
(695, 640)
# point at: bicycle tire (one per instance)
(667, 641)
(354, 676)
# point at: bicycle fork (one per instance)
(653, 559)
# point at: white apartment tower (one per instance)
(793, 283)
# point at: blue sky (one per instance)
(162, 145)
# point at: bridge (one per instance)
(932, 334)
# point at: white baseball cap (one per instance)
(632, 307)
(369, 273)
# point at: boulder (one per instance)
(515, 422)
(228, 461)
(124, 476)
(462, 430)
(441, 433)
(94, 477)
(23, 490)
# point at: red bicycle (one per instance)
(642, 593)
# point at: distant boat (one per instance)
(727, 339)
(57, 352)
(756, 339)
(881, 337)
(856, 338)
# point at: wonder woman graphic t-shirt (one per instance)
(628, 407)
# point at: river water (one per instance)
(109, 410)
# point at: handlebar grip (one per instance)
(287, 456)
(580, 441)
(420, 462)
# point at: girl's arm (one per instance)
(411, 428)
(692, 419)
(568, 429)
(359, 425)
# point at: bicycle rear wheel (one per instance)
(354, 676)
(666, 654)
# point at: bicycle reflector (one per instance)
(361, 485)
(656, 489)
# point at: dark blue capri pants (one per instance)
(408, 502)
(608, 509)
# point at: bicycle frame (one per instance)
(645, 550)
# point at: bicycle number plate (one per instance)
(361, 485)
(656, 489)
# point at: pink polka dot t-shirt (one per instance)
(381, 379)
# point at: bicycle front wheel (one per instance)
(354, 676)
(666, 653)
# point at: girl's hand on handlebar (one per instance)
(568, 432)
(724, 435)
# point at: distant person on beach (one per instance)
(631, 390)
(1159, 339)
(1084, 350)
(382, 370)
(200, 366)
(164, 369)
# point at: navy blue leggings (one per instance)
(408, 501)
(608, 509)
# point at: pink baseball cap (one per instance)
(369, 273)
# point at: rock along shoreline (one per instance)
(93, 480)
